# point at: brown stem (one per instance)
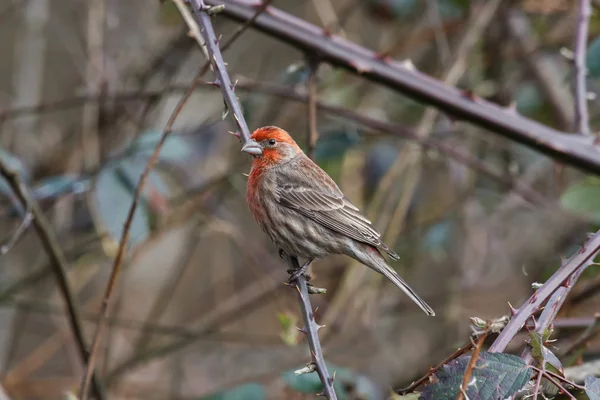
(58, 262)
(470, 366)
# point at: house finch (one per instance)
(305, 213)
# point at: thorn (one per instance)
(512, 107)
(320, 326)
(320, 394)
(316, 309)
(225, 112)
(513, 310)
(236, 134)
(408, 64)
(216, 83)
(360, 68)
(246, 175)
(301, 330)
(327, 32)
(384, 57)
(469, 94)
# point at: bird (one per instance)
(304, 212)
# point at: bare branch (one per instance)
(581, 105)
(359, 60)
(58, 263)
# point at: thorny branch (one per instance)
(576, 151)
(58, 263)
(125, 234)
(201, 13)
(574, 265)
(391, 128)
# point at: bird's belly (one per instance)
(301, 237)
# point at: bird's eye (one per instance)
(272, 142)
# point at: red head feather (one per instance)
(276, 154)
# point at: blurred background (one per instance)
(201, 312)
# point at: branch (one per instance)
(570, 270)
(125, 234)
(551, 309)
(359, 60)
(201, 14)
(58, 262)
(311, 89)
(581, 106)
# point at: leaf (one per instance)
(289, 333)
(542, 354)
(496, 376)
(113, 193)
(175, 148)
(583, 198)
(529, 99)
(592, 387)
(593, 58)
(249, 391)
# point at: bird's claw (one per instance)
(295, 273)
(282, 254)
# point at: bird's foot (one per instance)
(295, 273)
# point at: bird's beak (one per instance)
(252, 147)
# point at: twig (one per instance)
(579, 261)
(586, 336)
(125, 234)
(311, 329)
(555, 382)
(116, 268)
(58, 263)
(471, 365)
(550, 311)
(311, 86)
(21, 229)
(581, 106)
(462, 350)
(396, 76)
(201, 13)
(536, 388)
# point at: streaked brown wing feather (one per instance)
(325, 203)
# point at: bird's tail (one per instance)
(374, 260)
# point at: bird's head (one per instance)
(271, 145)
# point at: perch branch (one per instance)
(575, 151)
(58, 262)
(200, 11)
(570, 269)
(581, 106)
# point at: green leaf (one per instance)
(529, 98)
(542, 354)
(409, 396)
(593, 58)
(249, 391)
(496, 376)
(583, 198)
(289, 333)
(592, 387)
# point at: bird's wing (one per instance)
(308, 190)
